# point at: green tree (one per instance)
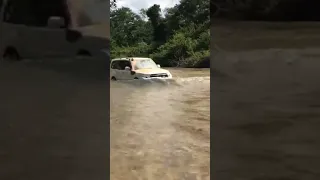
(188, 11)
(128, 28)
(179, 38)
(113, 3)
(158, 24)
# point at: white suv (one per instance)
(136, 68)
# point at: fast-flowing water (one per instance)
(54, 123)
(161, 129)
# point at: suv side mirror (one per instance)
(56, 22)
(127, 68)
(158, 65)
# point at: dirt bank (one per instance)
(265, 107)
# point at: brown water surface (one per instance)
(161, 130)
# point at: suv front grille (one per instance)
(162, 75)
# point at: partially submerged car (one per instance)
(136, 68)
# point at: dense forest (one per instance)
(266, 10)
(177, 36)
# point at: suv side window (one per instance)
(115, 65)
(124, 63)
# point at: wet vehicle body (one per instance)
(137, 68)
(64, 28)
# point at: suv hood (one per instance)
(151, 71)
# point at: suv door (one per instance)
(115, 70)
(125, 74)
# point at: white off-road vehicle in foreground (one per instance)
(136, 68)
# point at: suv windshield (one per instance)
(145, 64)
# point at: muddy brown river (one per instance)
(55, 123)
(161, 130)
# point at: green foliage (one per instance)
(197, 59)
(113, 4)
(140, 50)
(128, 28)
(176, 50)
(180, 38)
(203, 40)
(182, 49)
